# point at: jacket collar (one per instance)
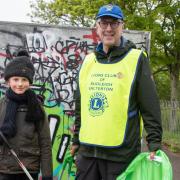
(115, 53)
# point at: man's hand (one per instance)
(152, 154)
(74, 149)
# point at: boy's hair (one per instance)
(20, 66)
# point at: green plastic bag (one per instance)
(142, 168)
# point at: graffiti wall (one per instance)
(57, 54)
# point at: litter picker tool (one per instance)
(15, 156)
(68, 161)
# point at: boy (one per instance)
(24, 124)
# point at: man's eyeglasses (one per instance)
(113, 24)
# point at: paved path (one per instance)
(175, 162)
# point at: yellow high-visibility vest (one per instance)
(105, 91)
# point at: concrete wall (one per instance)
(57, 54)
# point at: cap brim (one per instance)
(111, 15)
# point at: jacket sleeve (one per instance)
(149, 105)
(45, 148)
(77, 123)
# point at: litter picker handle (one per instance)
(5, 140)
(16, 157)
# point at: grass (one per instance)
(172, 141)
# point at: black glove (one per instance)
(1, 141)
(47, 178)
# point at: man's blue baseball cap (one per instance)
(110, 10)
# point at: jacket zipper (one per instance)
(95, 152)
(109, 57)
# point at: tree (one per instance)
(167, 42)
(66, 12)
(162, 19)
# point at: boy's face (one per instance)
(18, 84)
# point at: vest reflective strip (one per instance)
(105, 91)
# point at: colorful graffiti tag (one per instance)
(57, 54)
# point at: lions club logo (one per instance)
(97, 104)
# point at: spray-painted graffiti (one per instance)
(57, 54)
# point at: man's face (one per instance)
(109, 31)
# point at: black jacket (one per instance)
(31, 144)
(143, 97)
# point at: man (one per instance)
(115, 91)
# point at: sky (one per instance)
(15, 10)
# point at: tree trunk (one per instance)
(174, 77)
